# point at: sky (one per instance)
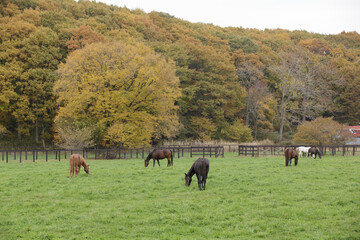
(317, 16)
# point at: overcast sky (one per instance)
(319, 16)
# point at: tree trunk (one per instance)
(247, 116)
(36, 132)
(42, 138)
(282, 118)
(18, 129)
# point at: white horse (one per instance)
(303, 150)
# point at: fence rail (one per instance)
(59, 154)
(271, 150)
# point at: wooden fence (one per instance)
(247, 150)
(139, 153)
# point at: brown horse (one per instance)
(314, 151)
(290, 154)
(201, 169)
(157, 154)
(76, 161)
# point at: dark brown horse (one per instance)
(314, 151)
(201, 169)
(290, 154)
(157, 154)
(76, 161)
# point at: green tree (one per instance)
(237, 132)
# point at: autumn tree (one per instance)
(288, 73)
(250, 75)
(29, 56)
(126, 90)
(321, 132)
(82, 36)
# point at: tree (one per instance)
(321, 132)
(83, 36)
(72, 138)
(238, 132)
(250, 74)
(126, 90)
(287, 71)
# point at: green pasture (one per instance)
(246, 198)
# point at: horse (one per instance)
(76, 161)
(314, 151)
(201, 168)
(290, 154)
(303, 151)
(157, 154)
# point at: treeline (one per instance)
(113, 76)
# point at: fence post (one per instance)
(46, 155)
(190, 151)
(344, 150)
(33, 153)
(353, 150)
(20, 156)
(7, 157)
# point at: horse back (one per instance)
(77, 160)
(160, 154)
(201, 166)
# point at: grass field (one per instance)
(246, 198)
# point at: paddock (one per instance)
(245, 197)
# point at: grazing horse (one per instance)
(76, 161)
(303, 151)
(290, 154)
(157, 154)
(201, 169)
(314, 151)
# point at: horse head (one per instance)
(188, 180)
(86, 169)
(147, 160)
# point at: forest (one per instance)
(112, 76)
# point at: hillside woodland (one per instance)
(112, 76)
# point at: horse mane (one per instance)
(191, 171)
(83, 163)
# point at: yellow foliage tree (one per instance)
(127, 89)
(321, 132)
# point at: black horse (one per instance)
(289, 154)
(201, 169)
(315, 151)
(157, 154)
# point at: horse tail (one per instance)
(286, 153)
(171, 158)
(72, 165)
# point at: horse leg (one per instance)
(204, 182)
(296, 161)
(153, 162)
(158, 162)
(199, 180)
